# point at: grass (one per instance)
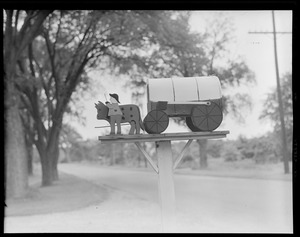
(66, 194)
(246, 168)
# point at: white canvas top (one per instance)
(184, 89)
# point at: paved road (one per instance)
(223, 204)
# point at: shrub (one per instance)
(214, 148)
(231, 152)
(187, 158)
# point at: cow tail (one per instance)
(140, 120)
(142, 125)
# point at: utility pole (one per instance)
(281, 112)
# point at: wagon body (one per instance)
(182, 109)
(198, 99)
(182, 94)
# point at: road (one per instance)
(221, 204)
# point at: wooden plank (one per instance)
(152, 163)
(161, 137)
(179, 158)
(166, 185)
(190, 102)
(133, 140)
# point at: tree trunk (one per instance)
(15, 151)
(113, 153)
(30, 160)
(203, 153)
(46, 170)
(47, 163)
(145, 160)
(55, 158)
(54, 164)
(121, 153)
(29, 152)
(53, 151)
(139, 160)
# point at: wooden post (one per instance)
(280, 103)
(166, 185)
(165, 165)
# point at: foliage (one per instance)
(271, 109)
(181, 52)
(69, 138)
(214, 148)
(83, 151)
(261, 149)
(57, 64)
(231, 152)
(131, 154)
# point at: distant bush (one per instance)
(214, 148)
(269, 158)
(231, 152)
(187, 161)
(264, 149)
(187, 158)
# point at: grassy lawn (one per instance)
(246, 168)
(66, 194)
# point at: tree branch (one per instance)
(24, 38)
(52, 63)
(16, 22)
(30, 57)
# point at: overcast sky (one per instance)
(257, 50)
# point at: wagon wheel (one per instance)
(190, 124)
(156, 121)
(207, 117)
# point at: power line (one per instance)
(281, 112)
(269, 32)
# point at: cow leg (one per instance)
(132, 123)
(137, 127)
(112, 125)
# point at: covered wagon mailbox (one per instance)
(197, 99)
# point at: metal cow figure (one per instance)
(131, 114)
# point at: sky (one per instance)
(257, 50)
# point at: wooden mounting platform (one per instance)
(161, 137)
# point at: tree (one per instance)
(54, 67)
(28, 136)
(271, 110)
(20, 28)
(57, 62)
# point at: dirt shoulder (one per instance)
(66, 194)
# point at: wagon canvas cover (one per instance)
(182, 89)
